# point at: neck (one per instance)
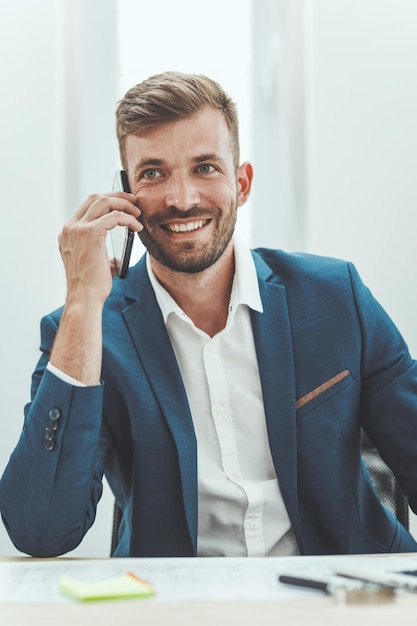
(204, 296)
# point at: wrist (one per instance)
(77, 348)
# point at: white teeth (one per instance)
(186, 227)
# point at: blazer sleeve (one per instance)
(53, 480)
(388, 407)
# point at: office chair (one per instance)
(385, 483)
(117, 518)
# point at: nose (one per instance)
(181, 192)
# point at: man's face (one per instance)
(188, 190)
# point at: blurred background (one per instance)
(327, 95)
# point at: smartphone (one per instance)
(121, 237)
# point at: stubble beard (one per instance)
(190, 257)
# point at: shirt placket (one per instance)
(222, 418)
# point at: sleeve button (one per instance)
(49, 434)
(49, 444)
(54, 414)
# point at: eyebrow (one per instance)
(146, 162)
(210, 156)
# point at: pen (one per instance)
(306, 582)
(345, 591)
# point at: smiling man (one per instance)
(222, 391)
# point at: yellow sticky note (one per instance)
(125, 586)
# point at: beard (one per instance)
(189, 257)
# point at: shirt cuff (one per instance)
(64, 377)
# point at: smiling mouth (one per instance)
(185, 227)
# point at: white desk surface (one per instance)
(197, 592)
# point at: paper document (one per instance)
(182, 579)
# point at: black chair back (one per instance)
(385, 483)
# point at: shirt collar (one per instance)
(246, 279)
(245, 288)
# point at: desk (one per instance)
(188, 600)
(320, 612)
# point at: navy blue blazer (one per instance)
(330, 360)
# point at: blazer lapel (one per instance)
(273, 342)
(151, 340)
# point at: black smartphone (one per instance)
(121, 238)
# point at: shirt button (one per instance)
(218, 411)
(253, 525)
(235, 476)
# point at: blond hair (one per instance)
(170, 97)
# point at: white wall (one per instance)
(57, 81)
(278, 200)
(31, 204)
(362, 138)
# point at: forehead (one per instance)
(204, 132)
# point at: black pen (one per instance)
(345, 590)
(307, 582)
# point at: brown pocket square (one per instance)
(318, 390)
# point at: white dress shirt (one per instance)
(241, 510)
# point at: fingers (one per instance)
(99, 205)
(113, 267)
(119, 218)
(98, 214)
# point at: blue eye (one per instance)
(151, 174)
(205, 168)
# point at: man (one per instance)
(221, 391)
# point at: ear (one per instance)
(244, 182)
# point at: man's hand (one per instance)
(82, 242)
